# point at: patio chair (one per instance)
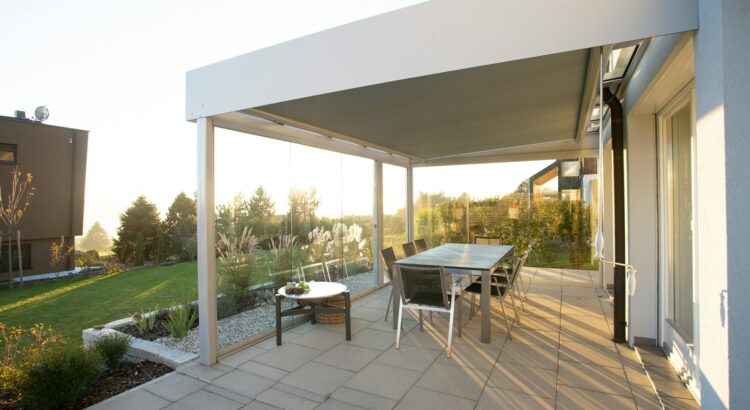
(486, 240)
(525, 287)
(426, 289)
(421, 245)
(332, 266)
(389, 256)
(501, 285)
(409, 249)
(314, 271)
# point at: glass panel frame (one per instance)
(676, 205)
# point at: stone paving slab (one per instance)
(561, 356)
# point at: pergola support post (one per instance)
(377, 243)
(409, 204)
(206, 243)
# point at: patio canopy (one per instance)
(436, 83)
(441, 82)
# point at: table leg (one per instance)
(278, 320)
(395, 296)
(348, 314)
(485, 303)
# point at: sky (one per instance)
(117, 69)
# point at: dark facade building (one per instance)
(56, 157)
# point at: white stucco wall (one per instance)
(722, 58)
(644, 96)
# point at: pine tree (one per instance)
(142, 217)
(96, 239)
(139, 249)
(180, 227)
(261, 209)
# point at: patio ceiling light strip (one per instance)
(328, 133)
(244, 122)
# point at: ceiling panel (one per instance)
(497, 106)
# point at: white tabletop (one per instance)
(318, 290)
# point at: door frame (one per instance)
(680, 346)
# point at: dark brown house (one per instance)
(56, 156)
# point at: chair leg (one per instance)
(507, 324)
(471, 308)
(398, 328)
(520, 298)
(388, 308)
(460, 313)
(450, 320)
(421, 321)
(513, 303)
(430, 316)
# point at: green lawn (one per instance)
(70, 306)
(562, 260)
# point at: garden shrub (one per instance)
(577, 233)
(236, 263)
(180, 320)
(58, 377)
(226, 306)
(111, 264)
(17, 346)
(112, 347)
(145, 322)
(86, 259)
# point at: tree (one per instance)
(142, 217)
(302, 207)
(96, 239)
(139, 247)
(59, 253)
(181, 227)
(260, 209)
(11, 211)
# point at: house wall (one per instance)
(646, 93)
(722, 57)
(718, 60)
(56, 157)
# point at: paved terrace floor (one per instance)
(561, 356)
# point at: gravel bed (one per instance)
(252, 322)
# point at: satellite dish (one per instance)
(41, 113)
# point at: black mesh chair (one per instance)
(389, 256)
(501, 285)
(421, 245)
(409, 249)
(426, 289)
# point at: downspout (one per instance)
(615, 109)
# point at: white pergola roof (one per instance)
(442, 82)
(446, 81)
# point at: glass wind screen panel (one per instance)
(315, 207)
(252, 185)
(681, 218)
(357, 216)
(394, 207)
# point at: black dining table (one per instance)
(462, 259)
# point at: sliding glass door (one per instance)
(677, 156)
